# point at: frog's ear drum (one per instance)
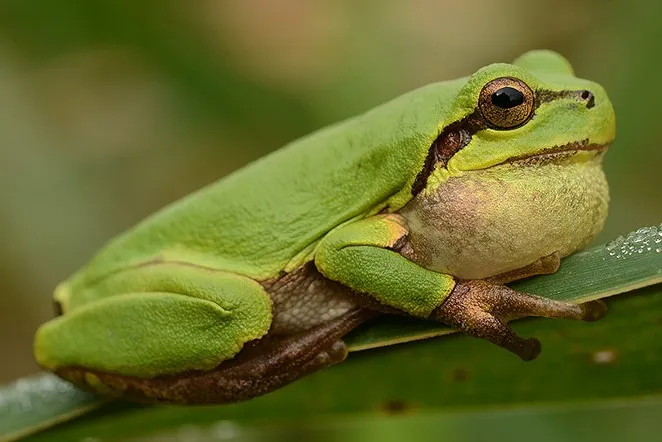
(544, 61)
(506, 103)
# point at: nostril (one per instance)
(589, 98)
(58, 308)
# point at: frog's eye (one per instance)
(506, 103)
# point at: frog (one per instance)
(426, 207)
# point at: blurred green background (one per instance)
(111, 109)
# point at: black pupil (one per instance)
(507, 97)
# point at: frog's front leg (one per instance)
(361, 255)
(482, 309)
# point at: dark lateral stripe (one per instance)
(571, 147)
(453, 138)
(428, 166)
(546, 96)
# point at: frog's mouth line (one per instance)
(557, 153)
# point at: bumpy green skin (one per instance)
(182, 290)
(167, 316)
(358, 255)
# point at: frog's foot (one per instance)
(544, 266)
(482, 309)
(259, 368)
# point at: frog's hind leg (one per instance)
(260, 367)
(482, 309)
(274, 362)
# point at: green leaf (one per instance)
(617, 357)
(34, 403)
(608, 359)
(634, 419)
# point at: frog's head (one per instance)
(514, 174)
(534, 108)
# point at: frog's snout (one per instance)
(588, 97)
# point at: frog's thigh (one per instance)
(262, 366)
(145, 334)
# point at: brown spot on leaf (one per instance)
(460, 374)
(396, 406)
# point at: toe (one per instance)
(530, 350)
(593, 310)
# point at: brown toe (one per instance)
(594, 310)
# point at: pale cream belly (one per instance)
(483, 223)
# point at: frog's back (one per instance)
(255, 220)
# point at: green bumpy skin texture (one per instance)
(170, 317)
(254, 221)
(357, 255)
(182, 290)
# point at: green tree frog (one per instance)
(426, 206)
